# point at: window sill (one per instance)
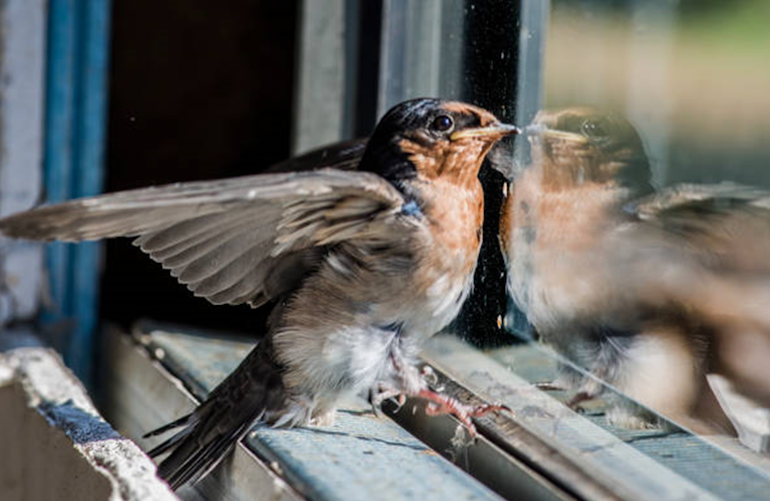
(545, 451)
(621, 463)
(154, 377)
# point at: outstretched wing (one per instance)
(232, 241)
(727, 224)
(704, 248)
(687, 197)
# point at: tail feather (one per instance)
(182, 421)
(242, 399)
(170, 443)
(191, 463)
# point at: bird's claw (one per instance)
(376, 400)
(429, 375)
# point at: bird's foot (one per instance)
(439, 403)
(324, 419)
(623, 418)
(416, 383)
(577, 399)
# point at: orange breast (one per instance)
(455, 216)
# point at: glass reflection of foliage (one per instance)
(686, 7)
(692, 75)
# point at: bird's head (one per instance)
(427, 139)
(574, 146)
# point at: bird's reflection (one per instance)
(649, 291)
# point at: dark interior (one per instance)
(197, 91)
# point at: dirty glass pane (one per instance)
(635, 223)
(637, 229)
(663, 94)
(634, 281)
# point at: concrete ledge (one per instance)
(54, 443)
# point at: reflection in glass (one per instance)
(651, 285)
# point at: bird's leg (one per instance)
(439, 403)
(429, 375)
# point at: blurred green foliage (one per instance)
(737, 24)
(711, 68)
(685, 7)
(720, 24)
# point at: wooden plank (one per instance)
(360, 457)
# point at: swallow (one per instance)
(362, 265)
(647, 291)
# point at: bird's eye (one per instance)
(442, 123)
(595, 129)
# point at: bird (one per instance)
(362, 265)
(649, 291)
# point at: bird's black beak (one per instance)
(494, 131)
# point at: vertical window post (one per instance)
(76, 92)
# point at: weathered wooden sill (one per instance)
(544, 451)
(155, 375)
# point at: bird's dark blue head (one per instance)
(417, 138)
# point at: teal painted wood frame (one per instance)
(75, 137)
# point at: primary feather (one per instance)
(224, 239)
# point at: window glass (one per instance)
(673, 92)
(641, 227)
(634, 297)
(646, 279)
(692, 76)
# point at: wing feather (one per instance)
(725, 226)
(690, 199)
(187, 232)
(231, 241)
